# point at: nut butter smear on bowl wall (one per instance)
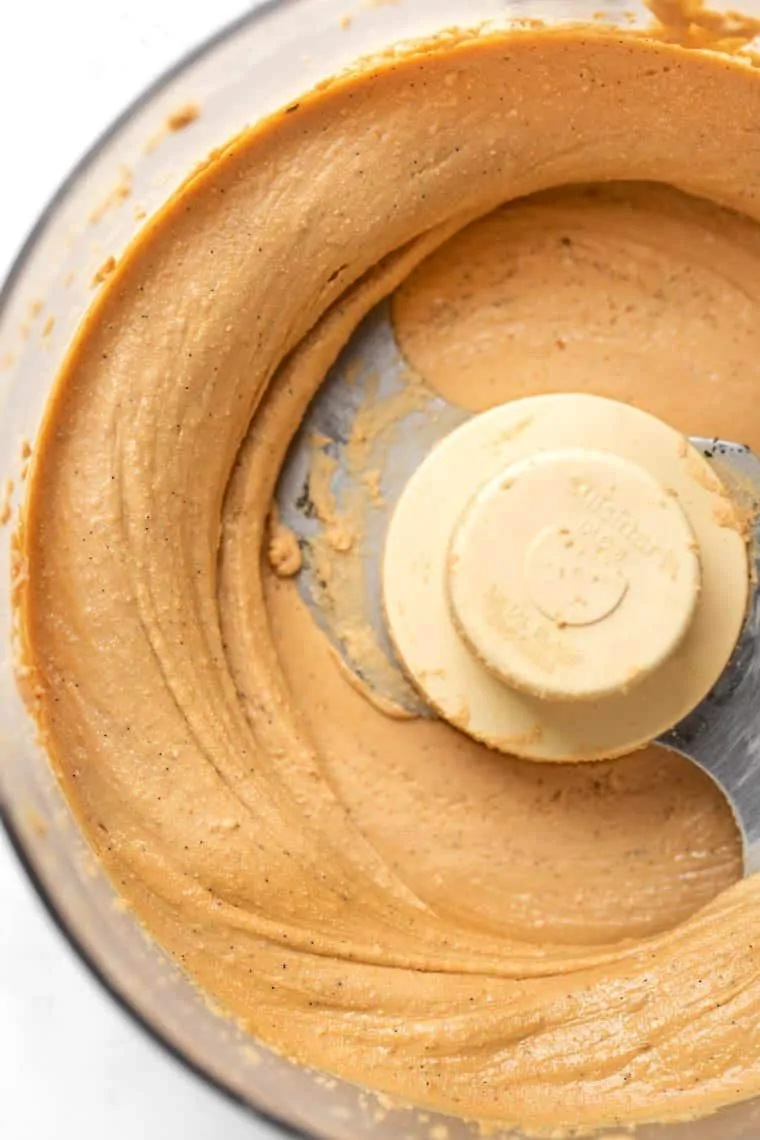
(550, 213)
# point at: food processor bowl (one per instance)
(259, 63)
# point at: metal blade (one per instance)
(370, 425)
(721, 734)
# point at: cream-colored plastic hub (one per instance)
(577, 587)
(562, 540)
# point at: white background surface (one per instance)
(71, 1063)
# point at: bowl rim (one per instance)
(46, 220)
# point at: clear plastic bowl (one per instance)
(252, 67)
